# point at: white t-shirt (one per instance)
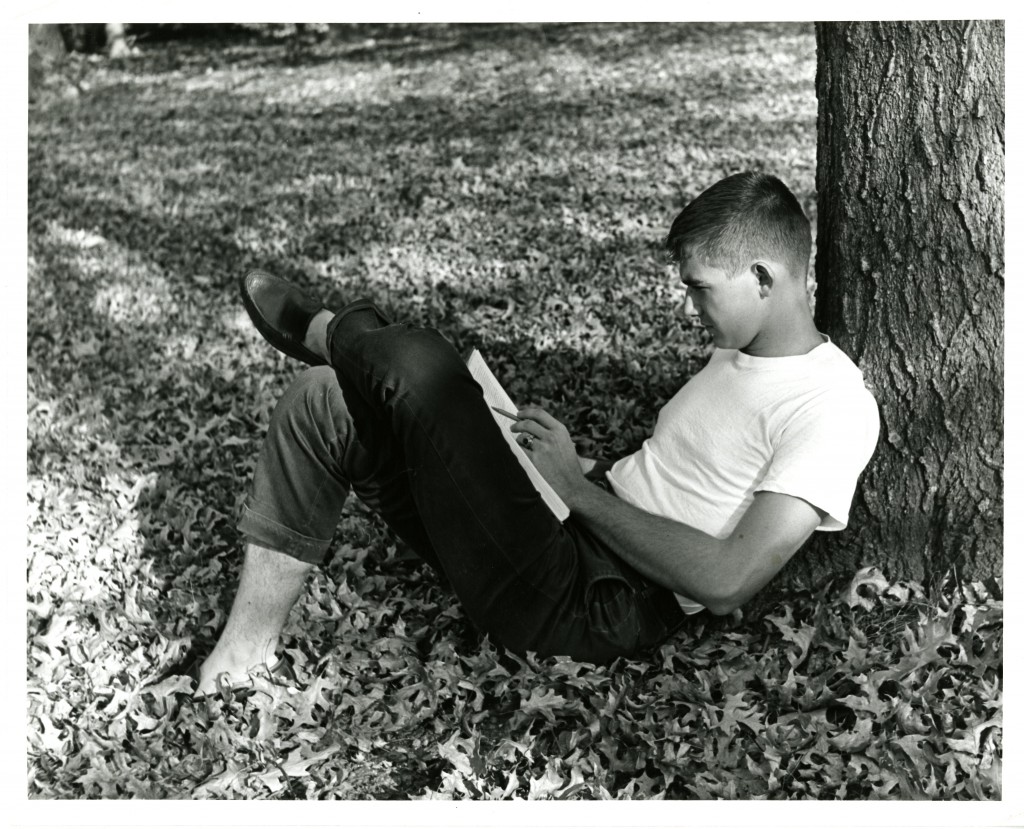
(803, 426)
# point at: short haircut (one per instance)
(743, 217)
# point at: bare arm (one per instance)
(719, 573)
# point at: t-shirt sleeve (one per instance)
(822, 450)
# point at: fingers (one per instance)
(537, 422)
(530, 427)
(537, 426)
(539, 415)
(527, 431)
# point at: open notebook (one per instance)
(495, 395)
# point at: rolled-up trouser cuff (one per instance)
(273, 535)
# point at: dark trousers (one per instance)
(399, 420)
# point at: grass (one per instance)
(511, 186)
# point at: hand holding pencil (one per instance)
(526, 441)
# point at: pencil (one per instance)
(507, 414)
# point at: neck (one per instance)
(794, 337)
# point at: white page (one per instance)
(495, 395)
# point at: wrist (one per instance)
(581, 495)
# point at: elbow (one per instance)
(722, 607)
(730, 589)
(726, 602)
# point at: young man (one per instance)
(758, 450)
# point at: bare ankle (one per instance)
(316, 334)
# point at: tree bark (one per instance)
(910, 277)
(46, 52)
(117, 44)
(88, 38)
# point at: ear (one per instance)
(765, 274)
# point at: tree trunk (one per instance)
(117, 44)
(910, 285)
(88, 38)
(46, 52)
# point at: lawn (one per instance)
(510, 185)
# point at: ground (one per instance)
(510, 185)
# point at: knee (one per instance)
(313, 400)
(314, 387)
(421, 359)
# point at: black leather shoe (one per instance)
(281, 313)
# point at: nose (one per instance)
(688, 308)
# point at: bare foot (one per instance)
(220, 669)
(268, 586)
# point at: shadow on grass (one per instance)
(193, 47)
